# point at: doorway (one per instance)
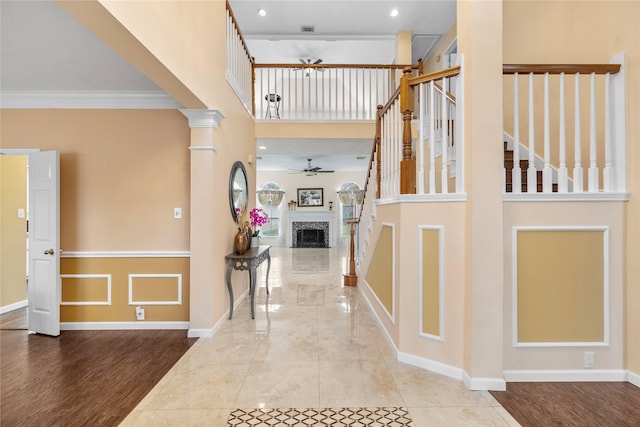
(14, 251)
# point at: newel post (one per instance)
(351, 279)
(407, 165)
(378, 148)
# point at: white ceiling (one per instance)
(44, 50)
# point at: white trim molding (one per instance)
(431, 365)
(15, 306)
(565, 375)
(208, 333)
(605, 299)
(421, 333)
(70, 99)
(393, 273)
(633, 378)
(379, 322)
(178, 301)
(88, 276)
(126, 254)
(484, 383)
(202, 118)
(121, 326)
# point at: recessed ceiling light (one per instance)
(394, 13)
(262, 12)
(262, 147)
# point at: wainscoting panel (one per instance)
(431, 281)
(381, 273)
(561, 286)
(160, 285)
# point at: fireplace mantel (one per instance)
(312, 216)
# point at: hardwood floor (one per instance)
(82, 378)
(14, 320)
(572, 404)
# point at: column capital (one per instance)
(202, 118)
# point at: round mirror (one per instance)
(238, 189)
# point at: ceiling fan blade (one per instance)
(319, 61)
(302, 61)
(324, 171)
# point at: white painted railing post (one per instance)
(563, 177)
(421, 138)
(516, 173)
(432, 137)
(578, 174)
(444, 138)
(546, 171)
(593, 156)
(532, 176)
(618, 129)
(607, 173)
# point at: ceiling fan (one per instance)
(310, 170)
(309, 70)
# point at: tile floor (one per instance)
(313, 344)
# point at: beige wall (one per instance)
(434, 63)
(121, 174)
(588, 32)
(13, 249)
(558, 216)
(380, 277)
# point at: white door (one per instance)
(44, 290)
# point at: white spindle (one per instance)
(532, 185)
(421, 100)
(546, 171)
(516, 173)
(432, 138)
(607, 174)
(563, 177)
(578, 177)
(444, 138)
(593, 165)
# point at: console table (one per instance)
(249, 261)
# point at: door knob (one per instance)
(49, 252)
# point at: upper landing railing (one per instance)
(580, 112)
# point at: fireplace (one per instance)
(310, 229)
(310, 234)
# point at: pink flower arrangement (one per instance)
(258, 218)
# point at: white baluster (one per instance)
(445, 138)
(532, 185)
(421, 100)
(546, 171)
(563, 177)
(607, 174)
(516, 173)
(578, 176)
(593, 165)
(432, 138)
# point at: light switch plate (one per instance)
(177, 212)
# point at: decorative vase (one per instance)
(240, 242)
(249, 237)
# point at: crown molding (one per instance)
(108, 99)
(203, 118)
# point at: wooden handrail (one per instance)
(560, 68)
(357, 66)
(436, 75)
(394, 96)
(235, 23)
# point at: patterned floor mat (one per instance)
(334, 417)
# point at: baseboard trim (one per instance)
(118, 326)
(633, 378)
(484, 383)
(431, 365)
(208, 333)
(378, 321)
(15, 306)
(566, 375)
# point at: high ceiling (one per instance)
(44, 51)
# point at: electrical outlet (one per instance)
(589, 360)
(139, 313)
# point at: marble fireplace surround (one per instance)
(315, 220)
